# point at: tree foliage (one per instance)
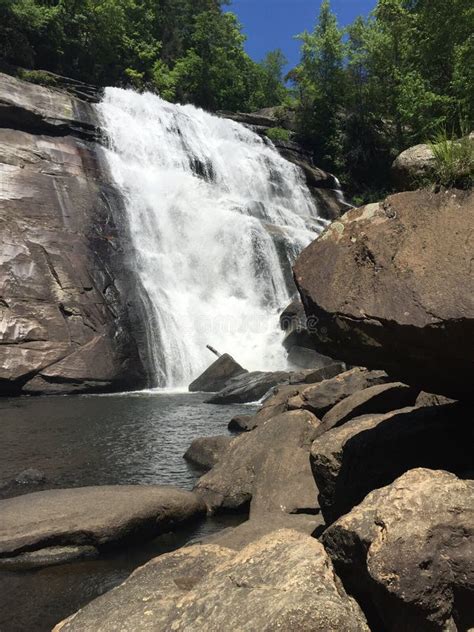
(188, 50)
(385, 83)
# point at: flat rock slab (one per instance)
(284, 581)
(95, 516)
(249, 387)
(407, 553)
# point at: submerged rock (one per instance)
(216, 376)
(284, 581)
(401, 296)
(407, 553)
(371, 451)
(91, 516)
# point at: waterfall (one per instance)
(217, 217)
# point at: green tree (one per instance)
(273, 91)
(319, 80)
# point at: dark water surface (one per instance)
(96, 440)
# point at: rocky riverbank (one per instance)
(375, 463)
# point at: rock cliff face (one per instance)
(67, 302)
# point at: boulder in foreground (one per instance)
(217, 375)
(92, 516)
(285, 581)
(407, 553)
(401, 296)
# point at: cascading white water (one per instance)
(217, 217)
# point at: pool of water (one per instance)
(137, 438)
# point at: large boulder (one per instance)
(91, 516)
(401, 296)
(285, 581)
(205, 452)
(413, 168)
(407, 553)
(268, 468)
(371, 451)
(70, 310)
(321, 397)
(375, 399)
(216, 376)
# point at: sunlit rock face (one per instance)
(64, 323)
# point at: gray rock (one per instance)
(205, 452)
(413, 168)
(242, 423)
(407, 553)
(267, 468)
(285, 581)
(249, 387)
(216, 376)
(251, 530)
(92, 516)
(382, 398)
(39, 110)
(49, 556)
(319, 399)
(372, 451)
(401, 296)
(70, 309)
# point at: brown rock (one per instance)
(319, 399)
(69, 307)
(205, 452)
(285, 581)
(413, 168)
(401, 296)
(382, 398)
(97, 516)
(267, 468)
(217, 375)
(371, 451)
(407, 553)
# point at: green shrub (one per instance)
(41, 77)
(454, 160)
(278, 133)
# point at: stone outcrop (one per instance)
(68, 305)
(90, 516)
(375, 399)
(267, 469)
(407, 553)
(205, 452)
(401, 296)
(371, 451)
(216, 376)
(321, 397)
(285, 581)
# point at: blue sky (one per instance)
(270, 24)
